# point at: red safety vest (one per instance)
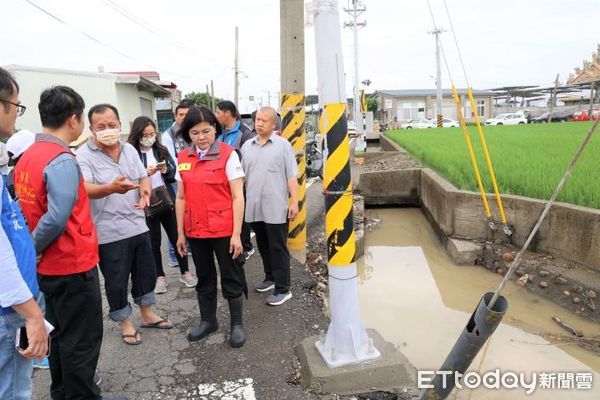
(208, 201)
(76, 250)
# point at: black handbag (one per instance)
(160, 202)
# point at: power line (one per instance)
(83, 33)
(101, 43)
(147, 26)
(161, 34)
(462, 64)
(435, 27)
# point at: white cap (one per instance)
(19, 142)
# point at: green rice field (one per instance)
(529, 160)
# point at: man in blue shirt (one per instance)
(235, 134)
(18, 283)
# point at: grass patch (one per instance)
(528, 160)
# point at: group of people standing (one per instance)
(101, 207)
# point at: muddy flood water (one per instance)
(418, 299)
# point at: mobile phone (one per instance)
(22, 342)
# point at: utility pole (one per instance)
(357, 9)
(236, 68)
(293, 114)
(212, 96)
(438, 79)
(209, 105)
(553, 96)
(346, 341)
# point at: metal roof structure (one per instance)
(430, 92)
(124, 78)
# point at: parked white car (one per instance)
(418, 124)
(507, 119)
(450, 123)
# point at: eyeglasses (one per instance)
(20, 108)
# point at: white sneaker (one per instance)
(279, 298)
(248, 254)
(161, 285)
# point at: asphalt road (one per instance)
(167, 366)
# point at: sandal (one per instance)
(135, 335)
(160, 324)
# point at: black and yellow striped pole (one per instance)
(293, 129)
(339, 222)
(346, 341)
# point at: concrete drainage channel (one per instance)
(563, 268)
(564, 265)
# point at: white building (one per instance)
(397, 106)
(133, 95)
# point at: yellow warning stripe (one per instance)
(339, 222)
(293, 129)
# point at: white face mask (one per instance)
(108, 137)
(148, 141)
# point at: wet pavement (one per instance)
(413, 294)
(166, 366)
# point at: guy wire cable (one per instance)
(463, 124)
(507, 229)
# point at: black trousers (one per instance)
(272, 245)
(232, 272)
(245, 234)
(169, 223)
(124, 258)
(74, 307)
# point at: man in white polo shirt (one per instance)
(270, 167)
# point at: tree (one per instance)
(372, 104)
(202, 98)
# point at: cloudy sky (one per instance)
(190, 42)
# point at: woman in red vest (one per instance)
(210, 208)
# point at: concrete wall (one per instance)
(569, 231)
(95, 88)
(391, 187)
(128, 102)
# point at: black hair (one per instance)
(101, 108)
(58, 104)
(8, 85)
(227, 105)
(185, 103)
(194, 116)
(137, 132)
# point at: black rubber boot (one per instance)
(208, 319)
(237, 336)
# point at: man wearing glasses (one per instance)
(18, 283)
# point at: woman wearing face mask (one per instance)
(161, 170)
(210, 207)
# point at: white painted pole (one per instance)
(346, 341)
(356, 80)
